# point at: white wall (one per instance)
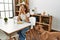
(51, 7)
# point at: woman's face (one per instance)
(22, 8)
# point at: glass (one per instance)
(15, 19)
(11, 14)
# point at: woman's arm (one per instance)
(27, 19)
(18, 18)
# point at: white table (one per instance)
(11, 27)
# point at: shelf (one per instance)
(37, 22)
(36, 14)
(45, 21)
(17, 4)
(17, 11)
(45, 16)
(44, 24)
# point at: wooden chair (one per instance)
(32, 21)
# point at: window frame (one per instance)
(12, 10)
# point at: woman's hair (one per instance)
(26, 10)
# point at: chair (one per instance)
(15, 36)
(3, 36)
(32, 21)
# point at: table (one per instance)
(11, 27)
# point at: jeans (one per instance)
(22, 33)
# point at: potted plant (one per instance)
(5, 19)
(33, 10)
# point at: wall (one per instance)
(51, 7)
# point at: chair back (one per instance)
(32, 21)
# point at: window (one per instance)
(6, 8)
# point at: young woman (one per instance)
(23, 16)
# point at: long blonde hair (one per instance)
(25, 7)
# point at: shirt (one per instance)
(23, 16)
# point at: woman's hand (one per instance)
(18, 18)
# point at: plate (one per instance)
(20, 22)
